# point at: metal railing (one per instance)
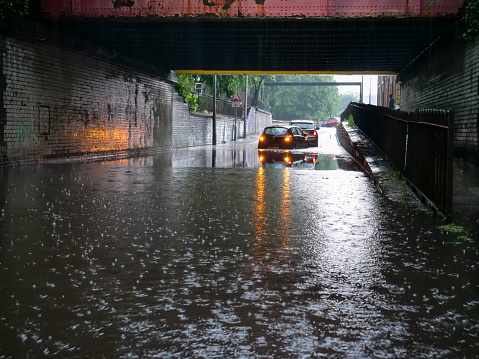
(419, 144)
(224, 107)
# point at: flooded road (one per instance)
(202, 253)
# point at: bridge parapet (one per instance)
(247, 8)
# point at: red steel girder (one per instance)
(52, 9)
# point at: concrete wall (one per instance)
(449, 80)
(57, 103)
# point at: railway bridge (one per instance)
(98, 76)
(328, 36)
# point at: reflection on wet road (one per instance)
(327, 156)
(143, 258)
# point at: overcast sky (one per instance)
(366, 79)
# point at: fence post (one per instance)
(214, 109)
(450, 162)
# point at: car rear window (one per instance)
(275, 131)
(304, 126)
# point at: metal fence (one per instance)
(419, 144)
(224, 107)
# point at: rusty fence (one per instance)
(419, 144)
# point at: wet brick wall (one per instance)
(449, 80)
(193, 130)
(56, 103)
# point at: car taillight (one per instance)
(261, 138)
(315, 133)
(288, 139)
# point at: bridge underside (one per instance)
(324, 45)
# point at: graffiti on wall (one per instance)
(24, 132)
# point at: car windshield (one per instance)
(304, 125)
(275, 131)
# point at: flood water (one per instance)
(198, 253)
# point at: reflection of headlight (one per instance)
(286, 159)
(261, 158)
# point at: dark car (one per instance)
(280, 159)
(283, 137)
(309, 128)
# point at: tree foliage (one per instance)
(303, 102)
(15, 8)
(472, 20)
(346, 99)
(471, 31)
(229, 85)
(186, 88)
(226, 86)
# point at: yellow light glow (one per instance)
(103, 139)
(246, 72)
(287, 139)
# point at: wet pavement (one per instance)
(213, 253)
(466, 195)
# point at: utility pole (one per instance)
(245, 106)
(361, 90)
(369, 89)
(214, 110)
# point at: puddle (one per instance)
(306, 161)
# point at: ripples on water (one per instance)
(133, 259)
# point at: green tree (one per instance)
(472, 20)
(346, 99)
(226, 85)
(15, 8)
(303, 102)
(186, 88)
(255, 86)
(471, 31)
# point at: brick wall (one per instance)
(57, 103)
(193, 130)
(449, 80)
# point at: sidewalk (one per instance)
(466, 195)
(465, 182)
